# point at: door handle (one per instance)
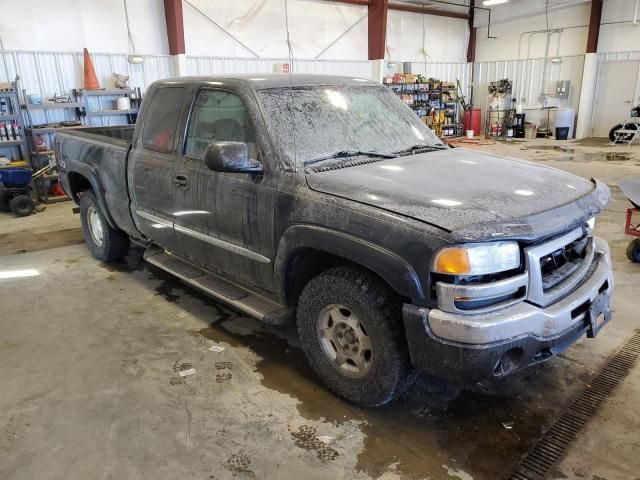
(181, 180)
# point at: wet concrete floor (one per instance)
(91, 355)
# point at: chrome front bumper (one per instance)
(525, 318)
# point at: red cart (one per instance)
(631, 189)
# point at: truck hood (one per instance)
(471, 194)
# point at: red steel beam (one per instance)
(594, 26)
(377, 28)
(471, 47)
(175, 26)
(410, 8)
(427, 11)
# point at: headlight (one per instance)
(477, 258)
(592, 223)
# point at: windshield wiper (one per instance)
(349, 153)
(413, 149)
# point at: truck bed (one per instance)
(103, 151)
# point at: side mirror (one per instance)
(230, 157)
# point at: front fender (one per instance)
(392, 268)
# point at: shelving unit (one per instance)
(85, 107)
(428, 99)
(102, 103)
(13, 148)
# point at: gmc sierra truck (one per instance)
(326, 200)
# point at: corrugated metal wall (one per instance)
(619, 56)
(527, 78)
(221, 65)
(48, 73)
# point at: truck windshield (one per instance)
(309, 123)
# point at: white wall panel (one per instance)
(49, 73)
(528, 82)
(221, 66)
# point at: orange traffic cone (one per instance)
(90, 78)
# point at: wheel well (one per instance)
(307, 263)
(77, 183)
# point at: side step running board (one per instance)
(211, 284)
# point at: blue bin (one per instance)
(15, 176)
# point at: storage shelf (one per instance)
(95, 93)
(52, 105)
(42, 153)
(111, 112)
(8, 117)
(53, 129)
(11, 143)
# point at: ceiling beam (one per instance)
(377, 16)
(175, 26)
(594, 26)
(403, 7)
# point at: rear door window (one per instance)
(161, 119)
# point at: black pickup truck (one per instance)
(327, 200)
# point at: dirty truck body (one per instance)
(327, 200)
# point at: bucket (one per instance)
(530, 131)
(471, 120)
(469, 133)
(123, 103)
(562, 133)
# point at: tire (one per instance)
(104, 242)
(628, 126)
(22, 205)
(342, 295)
(633, 251)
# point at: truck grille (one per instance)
(558, 266)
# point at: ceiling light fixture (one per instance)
(488, 3)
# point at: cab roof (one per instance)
(262, 81)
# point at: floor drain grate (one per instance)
(552, 446)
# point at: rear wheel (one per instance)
(633, 251)
(626, 137)
(22, 205)
(351, 330)
(104, 242)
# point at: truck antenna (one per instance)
(295, 149)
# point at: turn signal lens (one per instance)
(477, 258)
(454, 261)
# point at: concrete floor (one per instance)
(89, 354)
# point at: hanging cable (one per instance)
(126, 16)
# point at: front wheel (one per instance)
(350, 327)
(104, 242)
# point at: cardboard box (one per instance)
(409, 78)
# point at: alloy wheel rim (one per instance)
(95, 226)
(344, 341)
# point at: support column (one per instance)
(471, 47)
(589, 73)
(587, 95)
(175, 35)
(377, 28)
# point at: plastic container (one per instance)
(530, 131)
(470, 133)
(123, 103)
(565, 118)
(562, 133)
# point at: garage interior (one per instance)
(94, 354)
